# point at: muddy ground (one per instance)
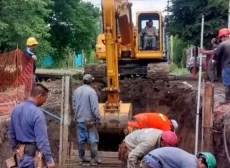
(176, 98)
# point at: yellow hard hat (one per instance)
(31, 41)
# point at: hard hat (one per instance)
(31, 41)
(210, 159)
(175, 124)
(223, 32)
(169, 138)
(88, 77)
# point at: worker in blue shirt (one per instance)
(87, 115)
(28, 131)
(172, 157)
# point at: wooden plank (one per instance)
(62, 72)
(109, 160)
(207, 120)
(64, 126)
(57, 73)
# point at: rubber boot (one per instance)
(94, 154)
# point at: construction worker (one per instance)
(149, 33)
(172, 157)
(31, 44)
(87, 115)
(28, 131)
(151, 120)
(222, 56)
(141, 141)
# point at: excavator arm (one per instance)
(115, 12)
(109, 18)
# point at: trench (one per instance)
(172, 98)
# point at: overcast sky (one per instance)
(141, 5)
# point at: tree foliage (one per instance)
(61, 27)
(74, 26)
(185, 19)
(21, 19)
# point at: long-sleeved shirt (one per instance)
(85, 104)
(172, 157)
(28, 125)
(140, 142)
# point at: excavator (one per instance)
(126, 54)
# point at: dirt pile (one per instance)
(221, 135)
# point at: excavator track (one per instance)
(158, 71)
(97, 70)
(155, 71)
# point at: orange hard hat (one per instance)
(223, 32)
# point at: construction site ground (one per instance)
(176, 98)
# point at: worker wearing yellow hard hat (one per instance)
(31, 44)
(31, 41)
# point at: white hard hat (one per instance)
(175, 124)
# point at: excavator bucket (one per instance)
(115, 122)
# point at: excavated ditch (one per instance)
(176, 99)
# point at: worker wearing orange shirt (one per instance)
(151, 120)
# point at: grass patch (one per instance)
(174, 69)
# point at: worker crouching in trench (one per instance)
(171, 157)
(141, 141)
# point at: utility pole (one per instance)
(229, 15)
(168, 8)
(199, 88)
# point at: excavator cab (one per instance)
(148, 31)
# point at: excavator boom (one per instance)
(115, 113)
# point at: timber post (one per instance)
(65, 120)
(207, 118)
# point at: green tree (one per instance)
(21, 19)
(74, 26)
(185, 19)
